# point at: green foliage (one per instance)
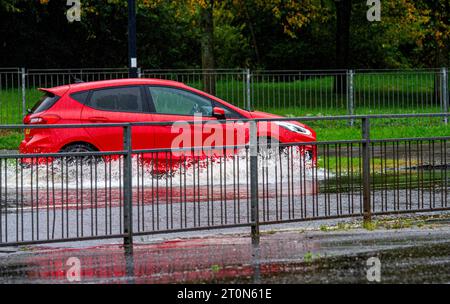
(248, 33)
(231, 47)
(370, 225)
(215, 268)
(324, 228)
(309, 257)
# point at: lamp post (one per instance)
(132, 57)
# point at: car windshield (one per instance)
(44, 103)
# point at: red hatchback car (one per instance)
(138, 100)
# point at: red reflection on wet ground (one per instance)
(190, 260)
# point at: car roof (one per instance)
(84, 86)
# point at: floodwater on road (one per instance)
(43, 202)
(50, 202)
(89, 219)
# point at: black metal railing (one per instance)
(55, 197)
(325, 92)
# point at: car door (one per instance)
(181, 106)
(237, 131)
(121, 104)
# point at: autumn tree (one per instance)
(259, 34)
(343, 15)
(435, 37)
(207, 43)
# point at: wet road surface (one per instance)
(412, 255)
(21, 224)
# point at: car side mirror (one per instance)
(218, 113)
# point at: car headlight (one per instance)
(293, 127)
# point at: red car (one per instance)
(143, 100)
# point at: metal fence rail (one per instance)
(53, 197)
(228, 84)
(295, 92)
(419, 89)
(60, 199)
(45, 78)
(10, 95)
(307, 91)
(48, 78)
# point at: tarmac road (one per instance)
(66, 221)
(409, 255)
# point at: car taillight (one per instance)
(26, 119)
(44, 119)
(36, 120)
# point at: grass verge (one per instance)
(10, 140)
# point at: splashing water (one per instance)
(276, 168)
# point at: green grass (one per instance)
(305, 111)
(353, 164)
(403, 222)
(380, 128)
(389, 90)
(11, 104)
(10, 140)
(389, 93)
(412, 129)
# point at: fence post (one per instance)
(24, 104)
(444, 93)
(139, 73)
(350, 95)
(366, 169)
(127, 190)
(248, 95)
(254, 182)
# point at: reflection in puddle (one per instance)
(193, 260)
(279, 258)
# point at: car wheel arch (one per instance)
(79, 142)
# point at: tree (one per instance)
(261, 34)
(437, 32)
(343, 15)
(207, 43)
(200, 14)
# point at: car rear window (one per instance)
(121, 99)
(44, 103)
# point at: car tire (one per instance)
(79, 147)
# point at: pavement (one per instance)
(409, 250)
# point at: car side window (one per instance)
(119, 99)
(81, 97)
(167, 100)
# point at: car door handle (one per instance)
(98, 119)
